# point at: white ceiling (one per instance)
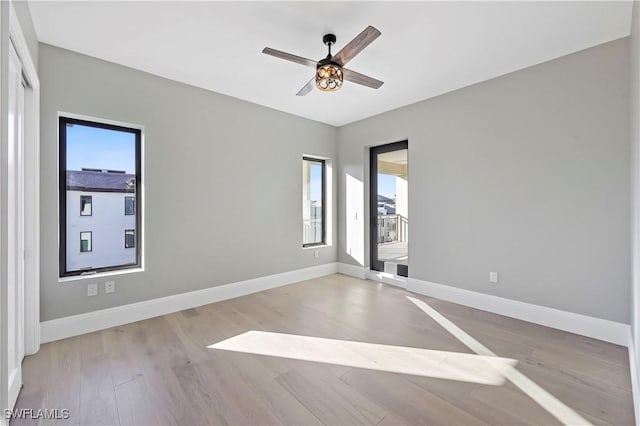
(426, 48)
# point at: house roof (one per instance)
(100, 181)
(383, 199)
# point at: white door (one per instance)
(15, 228)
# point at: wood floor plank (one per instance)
(609, 404)
(97, 394)
(585, 365)
(234, 400)
(461, 395)
(282, 404)
(134, 404)
(61, 376)
(406, 400)
(509, 403)
(30, 401)
(162, 370)
(329, 399)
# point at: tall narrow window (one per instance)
(85, 242)
(313, 202)
(99, 163)
(129, 206)
(86, 203)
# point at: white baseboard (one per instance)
(601, 329)
(353, 270)
(633, 369)
(106, 318)
(387, 278)
(365, 273)
(15, 384)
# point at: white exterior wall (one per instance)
(402, 196)
(107, 224)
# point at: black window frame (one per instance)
(63, 121)
(125, 205)
(90, 202)
(374, 262)
(90, 241)
(134, 238)
(323, 162)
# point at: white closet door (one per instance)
(15, 264)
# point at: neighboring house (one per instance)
(316, 209)
(101, 220)
(386, 205)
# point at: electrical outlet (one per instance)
(493, 277)
(316, 253)
(92, 289)
(110, 287)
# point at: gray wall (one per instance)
(526, 174)
(225, 174)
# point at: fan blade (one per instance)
(289, 57)
(307, 87)
(362, 79)
(356, 45)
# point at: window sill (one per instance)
(99, 275)
(316, 247)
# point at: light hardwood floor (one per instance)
(161, 371)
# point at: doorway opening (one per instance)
(389, 208)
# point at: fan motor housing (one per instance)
(329, 39)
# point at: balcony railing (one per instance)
(312, 230)
(392, 228)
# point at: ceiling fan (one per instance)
(330, 71)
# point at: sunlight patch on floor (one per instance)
(486, 370)
(550, 403)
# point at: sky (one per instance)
(95, 148)
(387, 185)
(316, 182)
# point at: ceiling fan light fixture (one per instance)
(329, 77)
(329, 71)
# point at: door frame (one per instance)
(31, 186)
(374, 263)
(11, 33)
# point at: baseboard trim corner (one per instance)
(387, 278)
(352, 270)
(76, 325)
(597, 328)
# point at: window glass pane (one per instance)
(85, 205)
(85, 242)
(101, 164)
(129, 206)
(129, 238)
(312, 197)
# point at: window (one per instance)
(103, 160)
(85, 205)
(129, 206)
(313, 202)
(129, 238)
(85, 242)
